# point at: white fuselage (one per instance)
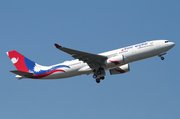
(123, 55)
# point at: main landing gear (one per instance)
(99, 79)
(99, 74)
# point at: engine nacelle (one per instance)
(117, 60)
(119, 70)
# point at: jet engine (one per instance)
(119, 70)
(117, 60)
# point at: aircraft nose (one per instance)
(172, 44)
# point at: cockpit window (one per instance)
(166, 41)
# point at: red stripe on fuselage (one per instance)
(46, 74)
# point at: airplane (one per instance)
(116, 61)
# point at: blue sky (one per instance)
(151, 90)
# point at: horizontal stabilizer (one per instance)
(22, 73)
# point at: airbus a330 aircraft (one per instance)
(116, 61)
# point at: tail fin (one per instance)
(20, 62)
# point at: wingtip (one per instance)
(57, 46)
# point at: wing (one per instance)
(91, 59)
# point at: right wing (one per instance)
(92, 60)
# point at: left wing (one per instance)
(92, 60)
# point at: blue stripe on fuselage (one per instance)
(30, 65)
(51, 69)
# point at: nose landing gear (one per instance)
(162, 58)
(161, 55)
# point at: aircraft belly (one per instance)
(85, 70)
(59, 75)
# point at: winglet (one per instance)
(57, 46)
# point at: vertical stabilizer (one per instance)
(20, 62)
